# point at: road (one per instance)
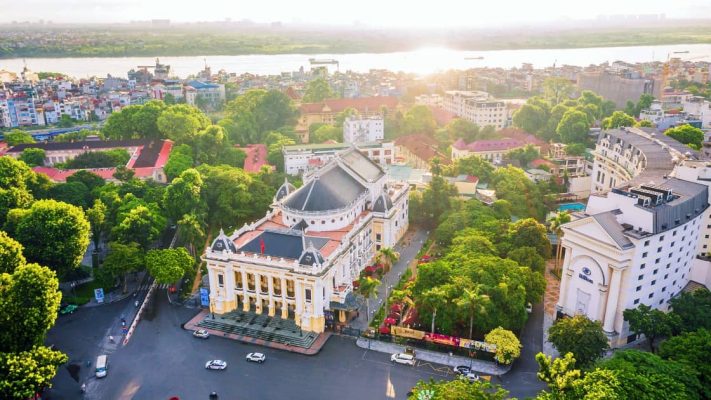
(521, 381)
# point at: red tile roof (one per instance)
(512, 138)
(539, 161)
(362, 104)
(443, 117)
(256, 157)
(423, 146)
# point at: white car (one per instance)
(256, 357)
(529, 308)
(201, 333)
(471, 377)
(216, 364)
(403, 358)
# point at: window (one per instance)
(646, 242)
(644, 254)
(661, 238)
(639, 278)
(655, 272)
(664, 289)
(672, 245)
(650, 295)
(378, 237)
(638, 288)
(659, 249)
(636, 301)
(642, 266)
(674, 233)
(220, 280)
(307, 294)
(656, 261)
(654, 282)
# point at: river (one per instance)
(423, 61)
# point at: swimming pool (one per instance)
(571, 207)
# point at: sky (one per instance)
(382, 13)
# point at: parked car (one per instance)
(201, 333)
(256, 357)
(471, 377)
(462, 370)
(68, 309)
(402, 358)
(216, 364)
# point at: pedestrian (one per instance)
(83, 387)
(111, 339)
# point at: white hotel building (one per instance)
(301, 259)
(638, 239)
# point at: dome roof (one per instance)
(223, 243)
(285, 189)
(311, 256)
(382, 203)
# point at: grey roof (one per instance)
(659, 160)
(223, 243)
(284, 190)
(310, 257)
(300, 226)
(286, 244)
(690, 200)
(361, 165)
(608, 222)
(382, 203)
(331, 190)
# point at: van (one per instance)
(102, 366)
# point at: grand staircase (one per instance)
(260, 326)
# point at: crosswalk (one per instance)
(146, 286)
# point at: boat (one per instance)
(474, 58)
(682, 52)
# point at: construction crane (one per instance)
(324, 61)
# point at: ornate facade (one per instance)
(301, 259)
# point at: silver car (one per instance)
(201, 333)
(256, 357)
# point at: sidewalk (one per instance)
(550, 299)
(483, 367)
(132, 286)
(408, 247)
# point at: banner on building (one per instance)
(477, 345)
(407, 332)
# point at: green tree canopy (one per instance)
(419, 119)
(168, 265)
(692, 349)
(53, 233)
(325, 133)
(531, 118)
(618, 119)
(15, 179)
(18, 136)
(184, 195)
(181, 122)
(180, 159)
(27, 372)
(557, 89)
(687, 134)
(10, 254)
(458, 389)
(123, 259)
(508, 347)
(581, 337)
(529, 232)
(141, 225)
(652, 323)
(33, 156)
(573, 127)
(317, 90)
(528, 256)
(693, 309)
(30, 299)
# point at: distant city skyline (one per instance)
(395, 13)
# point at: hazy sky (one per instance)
(396, 13)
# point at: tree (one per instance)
(475, 166)
(10, 254)
(692, 349)
(145, 120)
(652, 323)
(389, 256)
(573, 127)
(529, 232)
(618, 119)
(275, 143)
(472, 303)
(261, 111)
(531, 118)
(53, 233)
(458, 389)
(528, 256)
(74, 193)
(693, 309)
(140, 225)
(524, 155)
(556, 89)
(437, 198)
(123, 259)
(556, 226)
(183, 194)
(123, 174)
(168, 265)
(644, 123)
(96, 216)
(325, 133)
(209, 144)
(419, 119)
(508, 347)
(18, 136)
(433, 299)
(120, 124)
(191, 231)
(15, 178)
(29, 298)
(65, 121)
(560, 375)
(687, 134)
(26, 373)
(180, 159)
(367, 288)
(227, 194)
(317, 90)
(580, 336)
(181, 122)
(32, 156)
(575, 149)
(90, 179)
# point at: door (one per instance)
(581, 302)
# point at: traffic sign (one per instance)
(99, 295)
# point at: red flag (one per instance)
(261, 245)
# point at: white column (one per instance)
(601, 302)
(613, 296)
(270, 286)
(245, 296)
(284, 306)
(257, 292)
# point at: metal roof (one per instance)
(608, 222)
(286, 244)
(332, 190)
